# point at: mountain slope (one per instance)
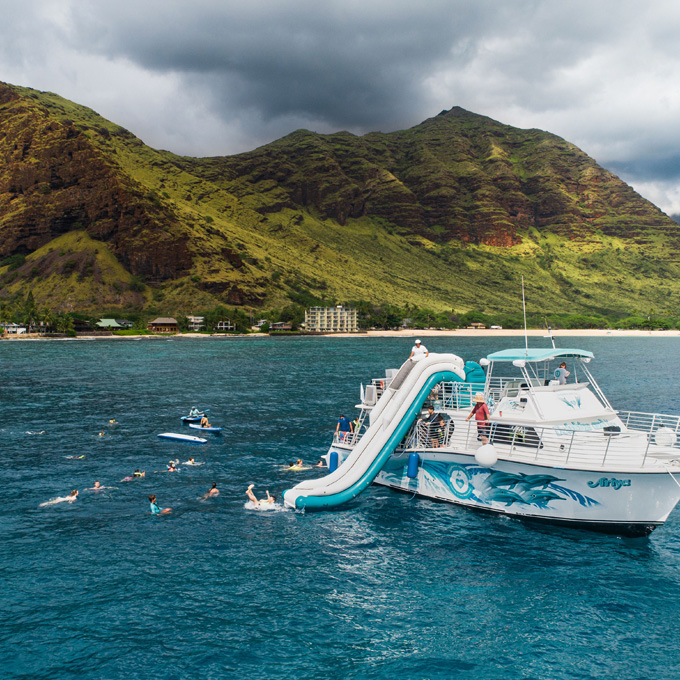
(448, 214)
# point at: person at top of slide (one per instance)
(418, 351)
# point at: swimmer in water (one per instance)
(171, 467)
(98, 487)
(265, 501)
(137, 474)
(62, 499)
(101, 434)
(320, 463)
(155, 510)
(297, 465)
(113, 421)
(213, 491)
(191, 461)
(75, 457)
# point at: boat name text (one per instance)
(614, 483)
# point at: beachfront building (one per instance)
(13, 328)
(109, 325)
(225, 325)
(163, 325)
(281, 326)
(195, 323)
(331, 320)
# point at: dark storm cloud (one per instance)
(217, 76)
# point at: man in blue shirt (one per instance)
(343, 427)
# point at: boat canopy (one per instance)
(537, 354)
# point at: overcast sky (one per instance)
(214, 77)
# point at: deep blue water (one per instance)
(387, 587)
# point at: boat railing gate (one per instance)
(427, 435)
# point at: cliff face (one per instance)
(54, 180)
(458, 176)
(448, 214)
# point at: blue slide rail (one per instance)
(340, 497)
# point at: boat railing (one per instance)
(428, 435)
(555, 446)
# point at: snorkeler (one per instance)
(171, 467)
(113, 421)
(137, 474)
(80, 457)
(191, 461)
(62, 499)
(155, 510)
(101, 434)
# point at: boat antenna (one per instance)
(550, 335)
(524, 308)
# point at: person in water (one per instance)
(113, 421)
(270, 500)
(171, 467)
(320, 463)
(101, 434)
(137, 474)
(62, 499)
(155, 510)
(98, 487)
(191, 461)
(213, 491)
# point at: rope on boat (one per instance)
(671, 474)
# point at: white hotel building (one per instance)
(331, 320)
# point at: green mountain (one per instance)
(449, 214)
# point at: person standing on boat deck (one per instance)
(343, 427)
(562, 373)
(425, 426)
(418, 351)
(481, 413)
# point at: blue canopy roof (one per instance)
(538, 354)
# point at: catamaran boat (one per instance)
(548, 452)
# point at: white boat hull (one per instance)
(631, 504)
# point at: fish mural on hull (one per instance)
(492, 487)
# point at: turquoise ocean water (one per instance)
(389, 586)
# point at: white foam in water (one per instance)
(249, 505)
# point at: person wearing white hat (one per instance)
(419, 351)
(481, 413)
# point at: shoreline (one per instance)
(462, 332)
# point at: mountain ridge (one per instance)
(448, 214)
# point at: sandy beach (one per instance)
(487, 333)
(407, 333)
